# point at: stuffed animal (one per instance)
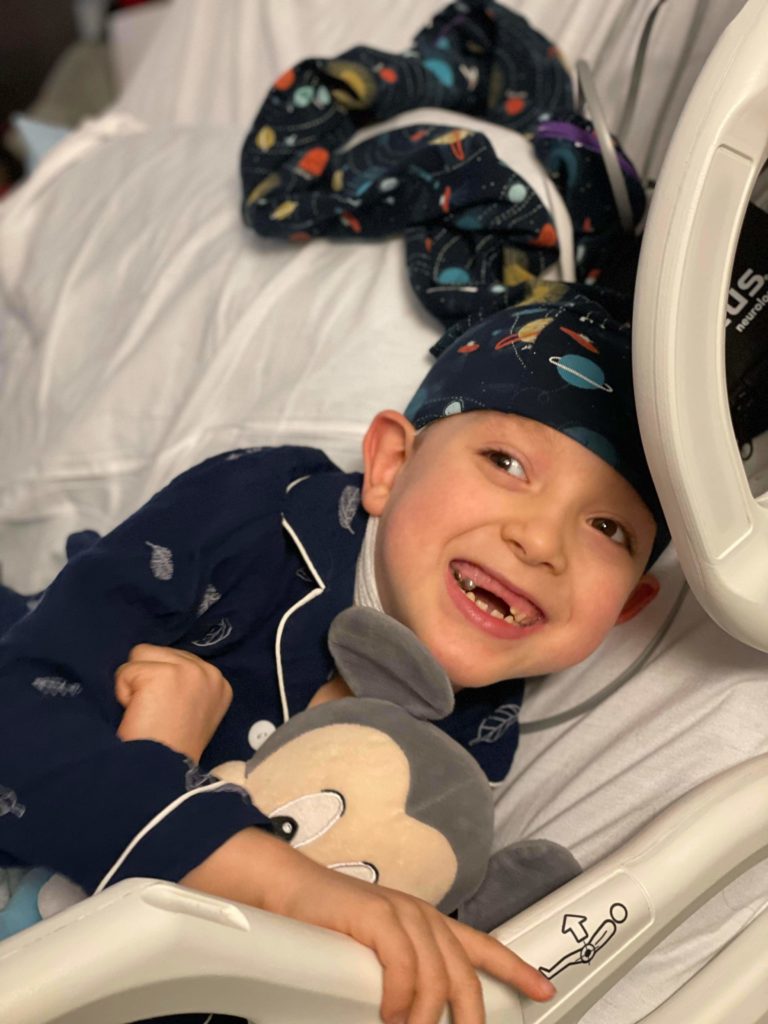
(368, 786)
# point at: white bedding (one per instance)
(148, 329)
(135, 304)
(142, 328)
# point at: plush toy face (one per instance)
(345, 786)
(371, 787)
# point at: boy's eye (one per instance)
(508, 463)
(612, 530)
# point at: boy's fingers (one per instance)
(154, 652)
(465, 992)
(123, 687)
(132, 675)
(433, 982)
(489, 955)
(398, 957)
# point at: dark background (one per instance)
(34, 33)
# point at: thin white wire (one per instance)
(620, 19)
(690, 41)
(630, 102)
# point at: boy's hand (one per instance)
(172, 697)
(429, 960)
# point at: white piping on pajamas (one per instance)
(304, 600)
(298, 480)
(168, 809)
(283, 700)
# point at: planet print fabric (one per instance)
(559, 358)
(475, 230)
(477, 235)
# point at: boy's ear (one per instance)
(386, 447)
(645, 590)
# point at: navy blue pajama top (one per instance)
(243, 560)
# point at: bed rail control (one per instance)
(153, 947)
(592, 930)
(720, 144)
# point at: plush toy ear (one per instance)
(518, 876)
(379, 657)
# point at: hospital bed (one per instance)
(131, 298)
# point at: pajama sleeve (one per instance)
(73, 796)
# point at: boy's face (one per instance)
(553, 540)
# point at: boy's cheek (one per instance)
(567, 644)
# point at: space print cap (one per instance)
(564, 363)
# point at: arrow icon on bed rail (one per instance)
(574, 923)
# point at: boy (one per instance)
(510, 533)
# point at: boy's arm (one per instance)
(428, 959)
(79, 794)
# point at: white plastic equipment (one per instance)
(148, 947)
(719, 529)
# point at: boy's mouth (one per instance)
(493, 597)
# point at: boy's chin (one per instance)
(474, 677)
(463, 679)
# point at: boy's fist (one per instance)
(172, 697)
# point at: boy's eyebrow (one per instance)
(507, 421)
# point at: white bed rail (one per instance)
(734, 986)
(591, 931)
(720, 144)
(144, 947)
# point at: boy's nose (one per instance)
(537, 540)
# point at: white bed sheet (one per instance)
(100, 403)
(144, 328)
(211, 62)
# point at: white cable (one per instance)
(637, 70)
(694, 29)
(616, 180)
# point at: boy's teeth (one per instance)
(466, 584)
(468, 587)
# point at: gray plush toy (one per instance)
(367, 786)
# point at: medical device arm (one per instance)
(719, 529)
(144, 947)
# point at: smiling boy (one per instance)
(535, 546)
(507, 518)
